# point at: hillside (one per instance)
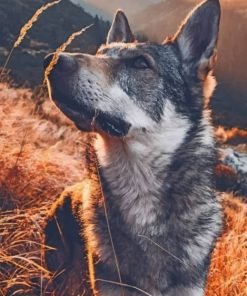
(41, 154)
(92, 9)
(230, 102)
(52, 29)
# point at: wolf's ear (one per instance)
(198, 35)
(120, 30)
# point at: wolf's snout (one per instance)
(66, 63)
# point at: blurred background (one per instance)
(150, 19)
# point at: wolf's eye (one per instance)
(141, 63)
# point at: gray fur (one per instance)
(156, 152)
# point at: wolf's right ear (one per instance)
(120, 30)
(198, 35)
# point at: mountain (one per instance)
(93, 10)
(53, 27)
(230, 101)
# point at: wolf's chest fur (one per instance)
(163, 218)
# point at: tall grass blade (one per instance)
(62, 48)
(26, 28)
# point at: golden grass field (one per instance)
(41, 154)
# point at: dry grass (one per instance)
(39, 148)
(32, 21)
(21, 260)
(24, 30)
(41, 154)
(225, 135)
(36, 140)
(63, 48)
(228, 273)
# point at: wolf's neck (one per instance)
(135, 172)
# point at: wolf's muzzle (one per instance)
(81, 109)
(65, 64)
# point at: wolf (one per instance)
(152, 226)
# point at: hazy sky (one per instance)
(125, 4)
(106, 8)
(109, 6)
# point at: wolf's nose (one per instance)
(65, 62)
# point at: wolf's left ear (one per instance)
(198, 35)
(120, 30)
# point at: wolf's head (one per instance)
(130, 90)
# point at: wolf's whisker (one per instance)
(96, 113)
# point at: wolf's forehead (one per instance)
(163, 54)
(127, 50)
(117, 50)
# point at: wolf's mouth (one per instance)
(80, 114)
(81, 120)
(88, 119)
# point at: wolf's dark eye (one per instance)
(141, 63)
